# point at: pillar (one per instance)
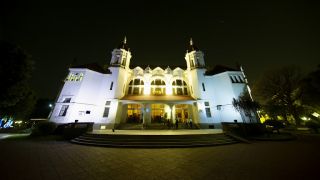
(146, 114)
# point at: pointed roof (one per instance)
(219, 69)
(191, 46)
(94, 67)
(123, 44)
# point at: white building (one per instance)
(144, 95)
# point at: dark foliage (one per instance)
(313, 125)
(244, 129)
(43, 128)
(281, 89)
(41, 108)
(311, 89)
(244, 104)
(16, 97)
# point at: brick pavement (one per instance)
(36, 159)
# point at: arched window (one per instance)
(136, 87)
(179, 87)
(158, 87)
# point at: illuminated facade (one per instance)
(144, 95)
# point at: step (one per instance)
(108, 140)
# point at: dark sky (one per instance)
(259, 35)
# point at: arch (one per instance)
(158, 87)
(138, 71)
(158, 71)
(178, 72)
(136, 86)
(179, 87)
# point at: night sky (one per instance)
(259, 35)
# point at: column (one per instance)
(146, 114)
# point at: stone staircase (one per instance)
(154, 141)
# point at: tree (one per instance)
(245, 105)
(311, 90)
(16, 96)
(42, 108)
(281, 88)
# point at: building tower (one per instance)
(119, 67)
(121, 56)
(196, 69)
(194, 57)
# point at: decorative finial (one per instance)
(191, 42)
(125, 40)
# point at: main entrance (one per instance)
(158, 114)
(182, 113)
(134, 114)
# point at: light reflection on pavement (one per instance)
(8, 135)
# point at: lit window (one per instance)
(158, 87)
(63, 110)
(74, 77)
(80, 76)
(135, 87)
(179, 87)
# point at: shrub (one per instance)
(43, 128)
(313, 125)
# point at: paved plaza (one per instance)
(51, 159)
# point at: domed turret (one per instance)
(168, 70)
(148, 70)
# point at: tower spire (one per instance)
(125, 40)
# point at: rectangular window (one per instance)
(241, 80)
(129, 90)
(88, 112)
(206, 103)
(106, 112)
(203, 88)
(185, 91)
(63, 110)
(108, 103)
(208, 112)
(66, 100)
(136, 90)
(111, 85)
(232, 80)
(179, 91)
